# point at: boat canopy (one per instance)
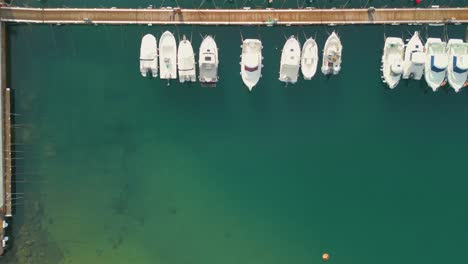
(251, 62)
(418, 57)
(439, 63)
(460, 64)
(186, 64)
(289, 70)
(207, 58)
(208, 65)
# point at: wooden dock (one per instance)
(7, 151)
(167, 16)
(5, 200)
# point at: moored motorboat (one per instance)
(332, 52)
(435, 68)
(290, 61)
(392, 60)
(251, 62)
(186, 61)
(167, 56)
(457, 70)
(148, 56)
(309, 59)
(208, 62)
(413, 64)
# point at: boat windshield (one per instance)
(250, 69)
(458, 68)
(434, 68)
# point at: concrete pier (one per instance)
(166, 16)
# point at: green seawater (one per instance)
(123, 169)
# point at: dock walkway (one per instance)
(166, 16)
(5, 142)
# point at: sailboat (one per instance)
(332, 55)
(309, 59)
(251, 62)
(208, 62)
(186, 61)
(413, 64)
(457, 71)
(148, 56)
(392, 60)
(290, 61)
(435, 68)
(167, 56)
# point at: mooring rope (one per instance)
(283, 3)
(201, 4)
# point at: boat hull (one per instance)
(413, 65)
(167, 56)
(208, 62)
(434, 74)
(186, 62)
(458, 55)
(392, 58)
(251, 62)
(290, 61)
(309, 59)
(149, 56)
(331, 63)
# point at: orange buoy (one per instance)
(325, 256)
(417, 1)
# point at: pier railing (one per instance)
(166, 16)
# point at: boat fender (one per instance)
(411, 76)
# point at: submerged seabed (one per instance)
(122, 169)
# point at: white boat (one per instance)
(208, 62)
(148, 56)
(332, 55)
(309, 59)
(167, 56)
(413, 64)
(435, 68)
(251, 62)
(290, 61)
(186, 61)
(457, 70)
(392, 60)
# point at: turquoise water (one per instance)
(123, 169)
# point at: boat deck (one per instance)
(235, 16)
